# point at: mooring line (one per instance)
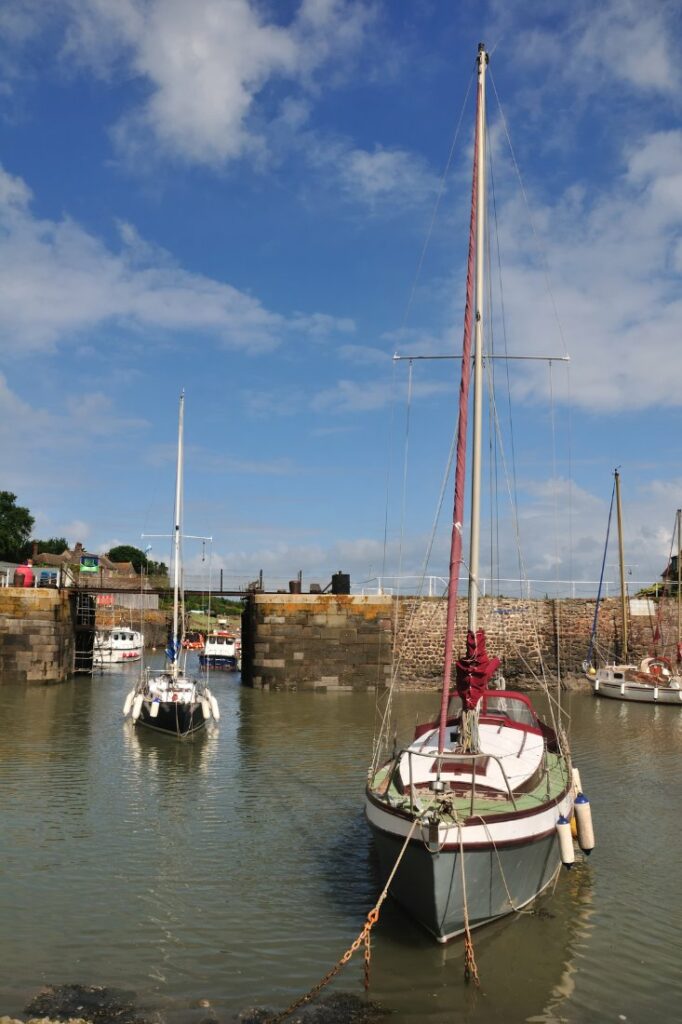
(363, 937)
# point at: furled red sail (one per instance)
(475, 670)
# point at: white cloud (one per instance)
(379, 178)
(627, 41)
(363, 355)
(615, 280)
(351, 396)
(205, 65)
(384, 174)
(57, 282)
(619, 42)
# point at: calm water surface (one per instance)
(237, 867)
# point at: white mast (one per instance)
(474, 549)
(177, 535)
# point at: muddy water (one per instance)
(237, 868)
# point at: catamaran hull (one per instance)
(174, 718)
(639, 692)
(499, 877)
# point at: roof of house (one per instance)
(73, 557)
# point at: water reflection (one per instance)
(158, 755)
(237, 866)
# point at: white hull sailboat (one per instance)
(655, 679)
(168, 700)
(474, 814)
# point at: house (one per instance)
(78, 567)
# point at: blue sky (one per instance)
(233, 197)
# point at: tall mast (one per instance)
(460, 470)
(475, 537)
(679, 577)
(621, 564)
(177, 536)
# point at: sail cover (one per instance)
(475, 670)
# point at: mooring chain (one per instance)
(470, 968)
(363, 937)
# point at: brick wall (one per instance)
(36, 636)
(327, 642)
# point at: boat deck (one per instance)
(457, 805)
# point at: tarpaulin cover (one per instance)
(474, 670)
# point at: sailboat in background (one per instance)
(655, 680)
(476, 808)
(168, 700)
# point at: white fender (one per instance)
(129, 702)
(205, 708)
(583, 816)
(137, 706)
(565, 842)
(214, 707)
(154, 709)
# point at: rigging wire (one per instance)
(593, 632)
(555, 508)
(503, 318)
(439, 196)
(541, 249)
(405, 318)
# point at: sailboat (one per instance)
(655, 679)
(168, 700)
(472, 819)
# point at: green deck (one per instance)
(552, 784)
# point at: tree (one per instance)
(51, 546)
(128, 553)
(16, 524)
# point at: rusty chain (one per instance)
(363, 937)
(470, 968)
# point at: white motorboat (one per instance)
(116, 645)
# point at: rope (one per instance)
(363, 938)
(470, 968)
(517, 910)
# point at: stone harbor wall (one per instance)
(37, 637)
(326, 642)
(316, 641)
(526, 634)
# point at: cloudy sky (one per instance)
(250, 200)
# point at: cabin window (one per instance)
(515, 710)
(115, 636)
(617, 675)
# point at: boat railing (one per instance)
(450, 756)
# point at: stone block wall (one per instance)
(36, 636)
(527, 633)
(325, 642)
(316, 641)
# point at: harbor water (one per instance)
(236, 868)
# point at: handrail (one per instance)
(459, 755)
